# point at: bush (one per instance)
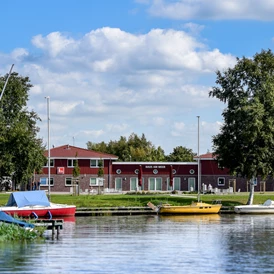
(13, 232)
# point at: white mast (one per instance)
(48, 146)
(199, 182)
(6, 82)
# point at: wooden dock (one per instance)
(106, 211)
(54, 225)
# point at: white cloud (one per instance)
(53, 43)
(19, 53)
(178, 129)
(110, 83)
(213, 9)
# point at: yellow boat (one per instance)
(194, 208)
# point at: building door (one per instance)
(177, 183)
(155, 184)
(133, 184)
(191, 184)
(118, 184)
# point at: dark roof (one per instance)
(207, 156)
(68, 151)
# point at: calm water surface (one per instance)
(150, 244)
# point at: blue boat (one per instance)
(6, 218)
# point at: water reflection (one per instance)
(150, 244)
(207, 218)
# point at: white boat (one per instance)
(266, 208)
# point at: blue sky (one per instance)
(112, 68)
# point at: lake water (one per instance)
(149, 244)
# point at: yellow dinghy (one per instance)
(194, 208)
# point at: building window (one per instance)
(44, 181)
(118, 171)
(221, 181)
(51, 163)
(68, 181)
(176, 184)
(118, 183)
(95, 181)
(191, 185)
(155, 171)
(192, 171)
(95, 163)
(71, 162)
(155, 184)
(134, 183)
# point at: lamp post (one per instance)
(47, 97)
(199, 183)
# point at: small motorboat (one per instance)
(194, 208)
(266, 208)
(35, 204)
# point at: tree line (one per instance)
(138, 149)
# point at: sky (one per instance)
(113, 68)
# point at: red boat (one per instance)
(35, 204)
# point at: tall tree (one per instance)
(22, 152)
(181, 154)
(245, 143)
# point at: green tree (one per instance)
(181, 154)
(246, 140)
(101, 147)
(75, 174)
(100, 173)
(134, 149)
(22, 152)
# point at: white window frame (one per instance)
(134, 184)
(73, 162)
(96, 163)
(191, 182)
(42, 179)
(67, 179)
(118, 181)
(177, 179)
(219, 181)
(98, 181)
(153, 180)
(51, 163)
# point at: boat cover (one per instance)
(28, 198)
(4, 217)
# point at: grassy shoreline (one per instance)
(129, 200)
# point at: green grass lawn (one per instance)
(128, 200)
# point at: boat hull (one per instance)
(196, 208)
(254, 209)
(39, 211)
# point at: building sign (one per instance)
(60, 170)
(155, 166)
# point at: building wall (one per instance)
(210, 173)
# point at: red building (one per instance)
(132, 176)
